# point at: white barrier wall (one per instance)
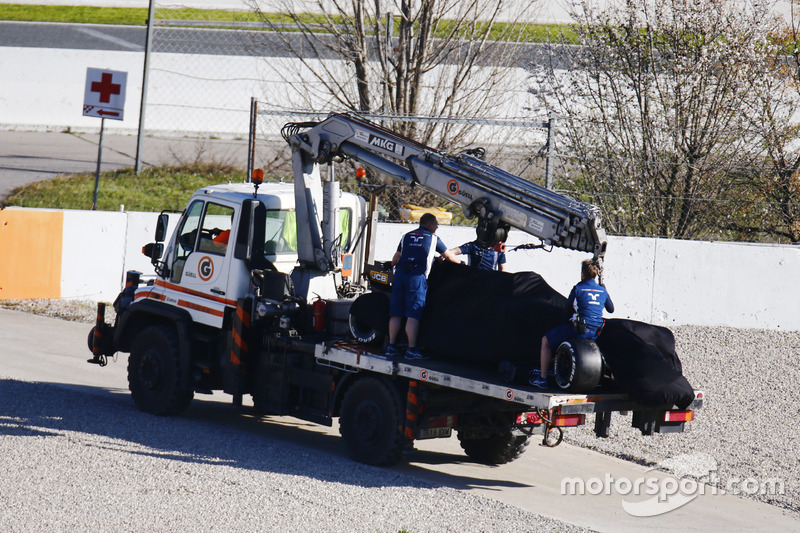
(93, 254)
(44, 88)
(664, 281)
(660, 281)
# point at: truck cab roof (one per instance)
(272, 195)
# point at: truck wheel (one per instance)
(371, 422)
(154, 374)
(578, 365)
(495, 450)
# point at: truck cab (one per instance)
(206, 266)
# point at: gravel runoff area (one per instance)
(745, 437)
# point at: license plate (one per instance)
(434, 433)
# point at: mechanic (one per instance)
(412, 263)
(588, 298)
(482, 256)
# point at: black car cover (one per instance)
(483, 315)
(488, 316)
(643, 361)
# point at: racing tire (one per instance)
(90, 340)
(363, 333)
(371, 422)
(578, 365)
(369, 318)
(494, 450)
(154, 372)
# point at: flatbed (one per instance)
(354, 357)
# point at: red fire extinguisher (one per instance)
(318, 318)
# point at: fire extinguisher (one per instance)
(318, 317)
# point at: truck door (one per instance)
(201, 262)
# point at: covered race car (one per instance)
(498, 319)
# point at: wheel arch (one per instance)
(350, 378)
(140, 315)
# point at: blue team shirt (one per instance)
(418, 249)
(588, 298)
(483, 258)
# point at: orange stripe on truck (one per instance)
(30, 253)
(201, 308)
(191, 292)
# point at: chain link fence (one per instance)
(205, 66)
(202, 71)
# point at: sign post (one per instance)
(105, 98)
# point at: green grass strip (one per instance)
(154, 189)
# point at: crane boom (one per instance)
(498, 198)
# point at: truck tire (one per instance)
(371, 422)
(495, 450)
(578, 365)
(154, 373)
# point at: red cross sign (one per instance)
(105, 93)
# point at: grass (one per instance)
(132, 16)
(138, 17)
(84, 14)
(155, 189)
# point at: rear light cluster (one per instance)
(533, 418)
(678, 416)
(443, 422)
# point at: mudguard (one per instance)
(143, 313)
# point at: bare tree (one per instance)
(420, 60)
(771, 191)
(653, 99)
(406, 58)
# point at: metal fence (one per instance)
(205, 65)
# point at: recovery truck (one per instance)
(224, 312)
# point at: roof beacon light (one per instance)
(257, 179)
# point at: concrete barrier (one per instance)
(30, 253)
(85, 254)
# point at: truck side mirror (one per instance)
(153, 250)
(161, 228)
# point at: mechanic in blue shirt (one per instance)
(412, 262)
(588, 298)
(483, 257)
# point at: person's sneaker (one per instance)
(392, 351)
(537, 380)
(416, 354)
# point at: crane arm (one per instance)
(499, 199)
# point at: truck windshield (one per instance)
(281, 231)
